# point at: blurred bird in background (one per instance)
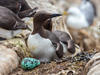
(81, 16)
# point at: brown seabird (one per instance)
(10, 23)
(64, 37)
(43, 44)
(19, 7)
(66, 40)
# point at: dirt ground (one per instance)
(68, 66)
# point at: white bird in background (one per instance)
(81, 16)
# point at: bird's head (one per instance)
(42, 16)
(73, 11)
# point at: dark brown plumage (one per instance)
(9, 20)
(10, 24)
(63, 36)
(19, 7)
(39, 22)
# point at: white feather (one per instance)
(65, 50)
(76, 19)
(41, 48)
(8, 33)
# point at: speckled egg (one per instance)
(29, 63)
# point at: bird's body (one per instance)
(10, 23)
(77, 21)
(46, 47)
(19, 7)
(41, 48)
(65, 39)
(82, 16)
(42, 43)
(45, 44)
(11, 4)
(87, 8)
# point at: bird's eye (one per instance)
(65, 43)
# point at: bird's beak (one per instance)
(55, 15)
(35, 9)
(65, 13)
(31, 12)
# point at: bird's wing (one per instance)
(6, 22)
(56, 43)
(11, 4)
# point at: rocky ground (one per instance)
(70, 66)
(74, 65)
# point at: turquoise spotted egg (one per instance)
(29, 63)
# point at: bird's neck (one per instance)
(38, 28)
